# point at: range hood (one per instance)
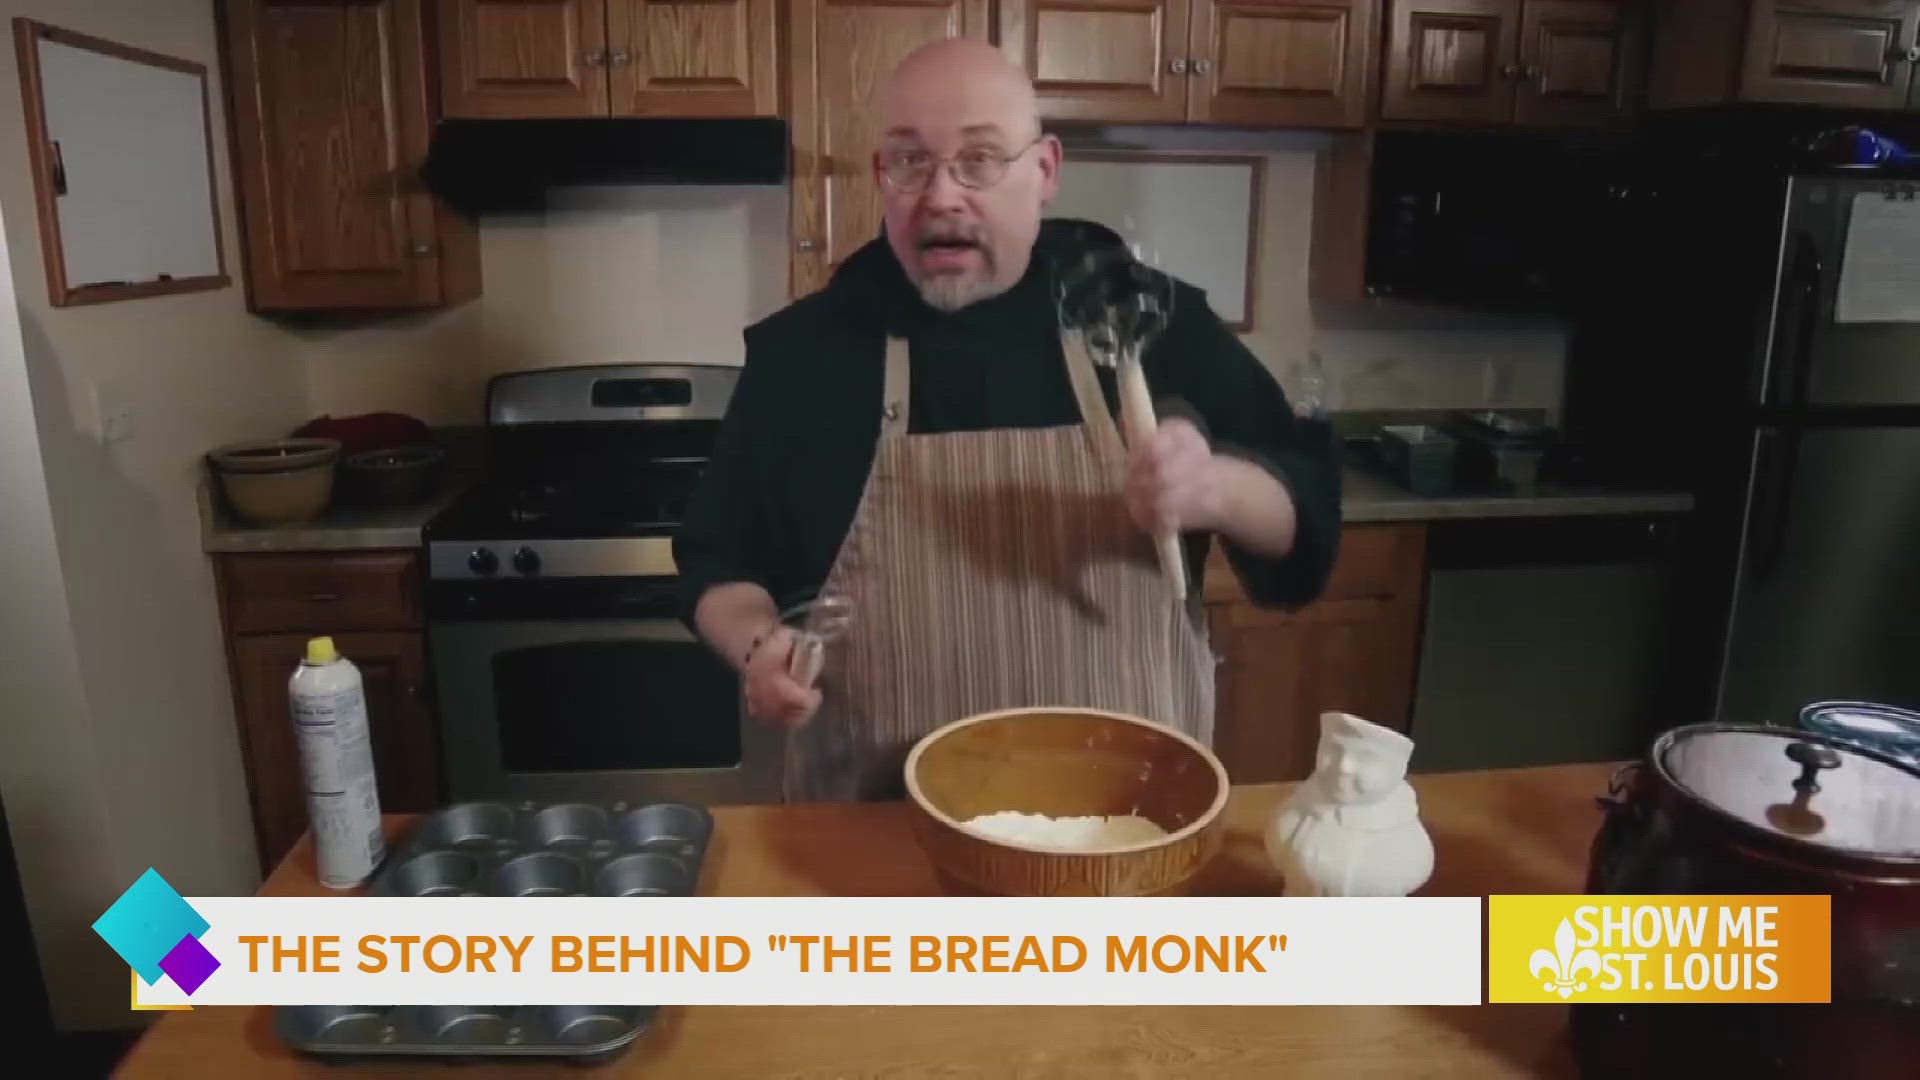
(506, 165)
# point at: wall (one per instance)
(48, 780)
(672, 274)
(1374, 356)
(644, 274)
(137, 765)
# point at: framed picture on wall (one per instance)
(1196, 216)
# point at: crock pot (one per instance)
(1729, 809)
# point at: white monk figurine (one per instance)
(1353, 827)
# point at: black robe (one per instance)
(793, 455)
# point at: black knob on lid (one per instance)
(527, 561)
(483, 561)
(1812, 757)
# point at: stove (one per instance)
(561, 668)
(588, 472)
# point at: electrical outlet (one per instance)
(115, 411)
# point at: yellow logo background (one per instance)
(1602, 948)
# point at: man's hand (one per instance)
(773, 695)
(732, 616)
(1176, 481)
(1172, 481)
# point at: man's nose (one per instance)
(943, 192)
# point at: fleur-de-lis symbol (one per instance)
(1563, 967)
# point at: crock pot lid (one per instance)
(1880, 725)
(1863, 806)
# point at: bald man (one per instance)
(921, 444)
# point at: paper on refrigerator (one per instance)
(1880, 271)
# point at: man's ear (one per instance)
(1051, 155)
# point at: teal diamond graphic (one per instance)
(145, 924)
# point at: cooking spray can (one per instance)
(336, 758)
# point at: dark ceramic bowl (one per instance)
(398, 476)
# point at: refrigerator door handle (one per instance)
(1796, 323)
(1773, 471)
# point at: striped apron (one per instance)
(991, 570)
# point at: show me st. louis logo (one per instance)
(1564, 970)
(157, 932)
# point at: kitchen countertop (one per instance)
(339, 528)
(1367, 497)
(1506, 831)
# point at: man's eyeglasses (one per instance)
(975, 166)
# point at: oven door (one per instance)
(634, 710)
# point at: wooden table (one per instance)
(1514, 831)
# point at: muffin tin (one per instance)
(525, 849)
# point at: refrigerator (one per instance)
(1763, 350)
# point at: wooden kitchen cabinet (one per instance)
(511, 58)
(1355, 650)
(1342, 211)
(1451, 60)
(1859, 54)
(329, 114)
(1537, 63)
(271, 604)
(1284, 63)
(586, 58)
(1582, 62)
(838, 53)
(1253, 63)
(1116, 60)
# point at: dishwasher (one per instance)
(1548, 641)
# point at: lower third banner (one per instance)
(830, 951)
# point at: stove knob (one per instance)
(483, 562)
(527, 561)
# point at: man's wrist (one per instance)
(1252, 507)
(1224, 514)
(752, 649)
(756, 642)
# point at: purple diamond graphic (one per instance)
(189, 963)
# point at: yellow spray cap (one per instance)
(320, 651)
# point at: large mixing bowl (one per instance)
(1065, 763)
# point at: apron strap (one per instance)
(1094, 413)
(893, 400)
(1086, 390)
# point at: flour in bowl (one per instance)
(1067, 833)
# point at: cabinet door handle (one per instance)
(1202, 66)
(621, 58)
(806, 245)
(323, 597)
(1511, 71)
(423, 249)
(592, 58)
(1178, 65)
(1908, 55)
